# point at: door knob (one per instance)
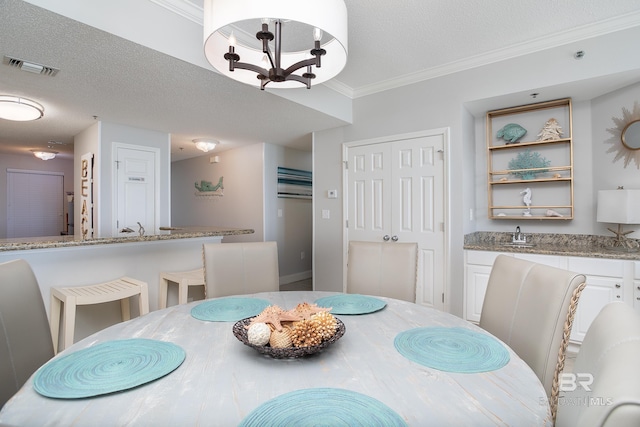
(386, 238)
(394, 238)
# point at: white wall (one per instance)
(250, 201)
(448, 101)
(606, 174)
(293, 230)
(241, 206)
(30, 162)
(100, 139)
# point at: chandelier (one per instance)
(292, 37)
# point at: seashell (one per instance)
(305, 334)
(325, 324)
(553, 213)
(259, 334)
(557, 175)
(280, 339)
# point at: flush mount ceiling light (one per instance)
(19, 109)
(44, 155)
(305, 31)
(205, 145)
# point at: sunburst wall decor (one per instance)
(615, 141)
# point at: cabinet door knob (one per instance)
(394, 238)
(618, 285)
(386, 238)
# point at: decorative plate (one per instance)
(229, 309)
(323, 407)
(107, 367)
(240, 331)
(351, 304)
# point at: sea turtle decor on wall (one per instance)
(511, 133)
(206, 188)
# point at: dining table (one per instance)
(394, 365)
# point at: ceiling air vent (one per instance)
(30, 66)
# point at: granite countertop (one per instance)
(581, 245)
(165, 233)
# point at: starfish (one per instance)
(274, 315)
(306, 310)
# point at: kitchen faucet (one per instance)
(519, 237)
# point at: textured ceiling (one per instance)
(390, 43)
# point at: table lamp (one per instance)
(620, 207)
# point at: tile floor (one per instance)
(302, 285)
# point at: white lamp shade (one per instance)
(619, 206)
(19, 109)
(328, 15)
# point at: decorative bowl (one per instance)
(240, 331)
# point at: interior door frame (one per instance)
(156, 183)
(445, 132)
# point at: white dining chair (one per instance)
(604, 388)
(386, 269)
(531, 308)
(25, 338)
(240, 268)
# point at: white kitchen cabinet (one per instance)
(476, 276)
(605, 284)
(607, 280)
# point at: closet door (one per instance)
(395, 193)
(35, 203)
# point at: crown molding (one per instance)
(184, 8)
(550, 41)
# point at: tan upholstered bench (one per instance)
(120, 289)
(184, 279)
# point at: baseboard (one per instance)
(296, 277)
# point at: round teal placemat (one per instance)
(452, 349)
(323, 407)
(229, 309)
(351, 304)
(107, 367)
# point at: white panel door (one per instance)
(395, 192)
(136, 193)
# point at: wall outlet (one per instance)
(326, 214)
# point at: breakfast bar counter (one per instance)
(62, 261)
(165, 233)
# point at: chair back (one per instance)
(385, 269)
(240, 268)
(25, 337)
(531, 308)
(609, 355)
